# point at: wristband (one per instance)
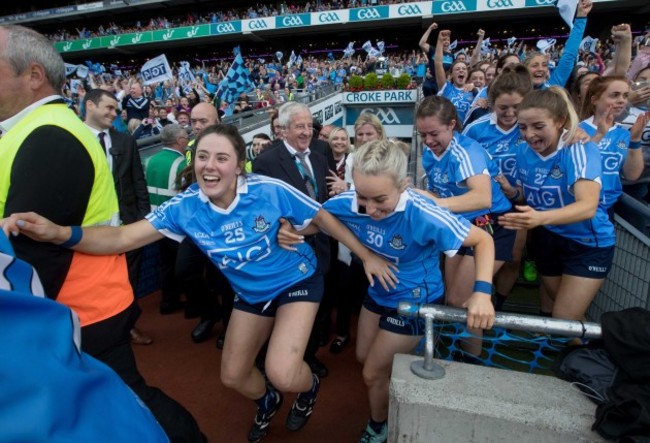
(635, 145)
(75, 237)
(483, 286)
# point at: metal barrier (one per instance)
(628, 282)
(553, 326)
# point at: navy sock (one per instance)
(311, 393)
(268, 400)
(376, 426)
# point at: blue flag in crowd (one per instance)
(292, 59)
(349, 51)
(70, 69)
(567, 10)
(185, 73)
(589, 44)
(237, 80)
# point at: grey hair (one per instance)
(170, 134)
(288, 110)
(382, 157)
(25, 46)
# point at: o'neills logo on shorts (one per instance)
(395, 321)
(299, 293)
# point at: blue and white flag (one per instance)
(156, 70)
(380, 47)
(349, 51)
(185, 73)
(485, 46)
(236, 51)
(371, 50)
(299, 61)
(589, 44)
(367, 46)
(545, 44)
(511, 41)
(82, 71)
(567, 10)
(70, 69)
(457, 53)
(453, 45)
(238, 80)
(279, 56)
(292, 59)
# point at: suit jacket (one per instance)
(276, 162)
(130, 184)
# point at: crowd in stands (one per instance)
(537, 152)
(196, 18)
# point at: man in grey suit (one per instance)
(293, 162)
(124, 161)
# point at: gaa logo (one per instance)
(544, 2)
(453, 6)
(87, 44)
(224, 28)
(409, 10)
(292, 21)
(386, 116)
(368, 14)
(257, 24)
(493, 4)
(328, 17)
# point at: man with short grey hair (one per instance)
(292, 161)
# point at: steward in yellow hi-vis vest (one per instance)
(51, 163)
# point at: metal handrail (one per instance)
(519, 322)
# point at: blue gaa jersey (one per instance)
(499, 143)
(242, 240)
(482, 94)
(548, 184)
(463, 158)
(613, 152)
(412, 238)
(460, 99)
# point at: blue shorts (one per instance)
(556, 255)
(392, 321)
(504, 239)
(309, 290)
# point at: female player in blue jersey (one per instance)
(456, 89)
(606, 99)
(234, 220)
(499, 134)
(461, 177)
(537, 62)
(410, 231)
(558, 187)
